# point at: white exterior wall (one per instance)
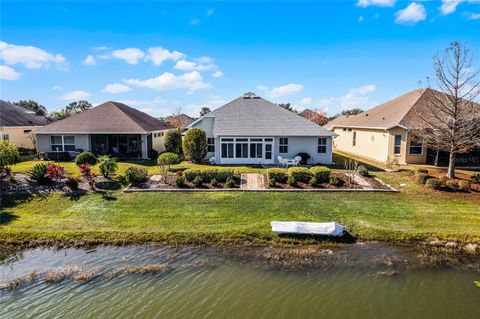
(370, 143)
(305, 144)
(158, 141)
(82, 141)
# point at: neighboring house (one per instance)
(384, 132)
(252, 130)
(17, 123)
(181, 121)
(110, 128)
(315, 117)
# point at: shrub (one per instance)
(230, 183)
(86, 172)
(433, 183)
(55, 171)
(198, 181)
(452, 185)
(291, 181)
(271, 182)
(26, 151)
(195, 145)
(85, 158)
(443, 180)
(180, 181)
(39, 173)
(336, 181)
(9, 155)
(214, 182)
(300, 174)
(207, 174)
(223, 174)
(422, 178)
(422, 171)
(321, 173)
(164, 161)
(173, 141)
(107, 165)
(465, 186)
(72, 183)
(278, 175)
(313, 181)
(476, 178)
(120, 179)
(136, 175)
(152, 154)
(362, 171)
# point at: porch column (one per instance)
(144, 146)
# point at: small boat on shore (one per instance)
(307, 228)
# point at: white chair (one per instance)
(281, 162)
(212, 160)
(297, 160)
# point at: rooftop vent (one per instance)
(249, 95)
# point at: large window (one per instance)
(283, 145)
(416, 147)
(211, 144)
(227, 147)
(62, 143)
(256, 150)
(322, 145)
(354, 140)
(398, 145)
(241, 148)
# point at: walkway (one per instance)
(252, 181)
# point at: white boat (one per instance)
(307, 228)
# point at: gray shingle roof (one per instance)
(255, 116)
(13, 115)
(109, 117)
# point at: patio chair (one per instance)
(297, 160)
(281, 162)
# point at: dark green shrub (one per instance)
(173, 141)
(278, 175)
(433, 183)
(39, 173)
(313, 181)
(120, 179)
(271, 182)
(207, 174)
(362, 171)
(86, 158)
(135, 175)
(422, 178)
(452, 185)
(230, 183)
(422, 171)
(180, 181)
(191, 173)
(300, 174)
(152, 154)
(476, 178)
(195, 145)
(72, 183)
(198, 181)
(443, 180)
(223, 174)
(26, 151)
(321, 173)
(214, 182)
(291, 181)
(336, 181)
(108, 165)
(465, 186)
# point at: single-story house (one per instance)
(252, 130)
(181, 121)
(17, 123)
(109, 128)
(384, 132)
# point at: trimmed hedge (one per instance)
(422, 178)
(207, 174)
(136, 175)
(86, 158)
(433, 183)
(452, 185)
(422, 171)
(321, 173)
(465, 186)
(279, 175)
(299, 174)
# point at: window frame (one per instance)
(283, 147)
(322, 147)
(354, 138)
(399, 145)
(63, 144)
(211, 146)
(415, 147)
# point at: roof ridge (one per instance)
(116, 104)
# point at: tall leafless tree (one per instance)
(450, 118)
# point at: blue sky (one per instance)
(161, 57)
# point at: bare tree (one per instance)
(450, 119)
(177, 120)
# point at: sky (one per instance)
(164, 57)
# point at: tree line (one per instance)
(68, 110)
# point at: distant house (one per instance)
(384, 132)
(315, 117)
(17, 123)
(110, 128)
(252, 130)
(181, 121)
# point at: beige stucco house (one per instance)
(18, 123)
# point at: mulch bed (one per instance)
(151, 184)
(346, 184)
(375, 183)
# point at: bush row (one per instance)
(206, 175)
(294, 175)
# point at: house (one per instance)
(314, 116)
(181, 121)
(384, 132)
(110, 128)
(17, 123)
(252, 130)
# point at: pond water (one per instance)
(360, 281)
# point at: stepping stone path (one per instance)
(252, 181)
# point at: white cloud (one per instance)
(116, 88)
(57, 88)
(377, 3)
(356, 97)
(100, 48)
(361, 19)
(210, 12)
(307, 100)
(473, 16)
(200, 64)
(412, 14)
(449, 6)
(30, 56)
(90, 60)
(7, 73)
(285, 90)
(217, 74)
(168, 81)
(130, 55)
(158, 55)
(75, 95)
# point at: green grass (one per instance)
(413, 214)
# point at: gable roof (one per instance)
(109, 117)
(13, 115)
(251, 115)
(182, 118)
(389, 114)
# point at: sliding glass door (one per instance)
(244, 150)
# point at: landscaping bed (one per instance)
(157, 182)
(325, 185)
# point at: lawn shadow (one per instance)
(106, 195)
(75, 195)
(347, 237)
(142, 162)
(339, 161)
(108, 185)
(6, 217)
